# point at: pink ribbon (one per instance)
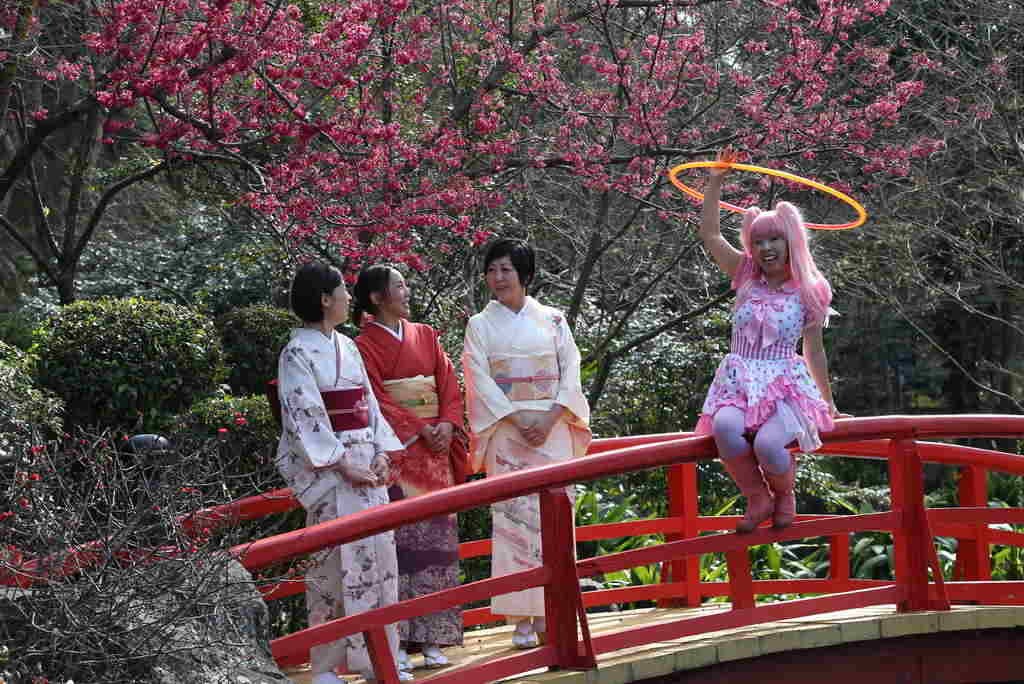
(762, 324)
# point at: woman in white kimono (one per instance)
(526, 408)
(333, 454)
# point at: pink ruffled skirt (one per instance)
(762, 387)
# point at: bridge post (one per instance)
(683, 503)
(384, 665)
(741, 579)
(914, 545)
(972, 555)
(563, 600)
(839, 557)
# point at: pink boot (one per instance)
(785, 499)
(748, 477)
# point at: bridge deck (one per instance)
(691, 653)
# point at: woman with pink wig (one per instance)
(765, 395)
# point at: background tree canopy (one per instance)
(169, 162)
(192, 152)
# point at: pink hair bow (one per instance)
(762, 324)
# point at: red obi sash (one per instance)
(347, 408)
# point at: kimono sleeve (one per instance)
(304, 419)
(384, 438)
(486, 403)
(570, 388)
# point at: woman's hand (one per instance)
(429, 435)
(381, 466)
(358, 476)
(443, 434)
(836, 413)
(727, 155)
(524, 421)
(535, 426)
(438, 437)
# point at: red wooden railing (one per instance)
(913, 527)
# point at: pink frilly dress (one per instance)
(763, 373)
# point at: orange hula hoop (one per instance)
(862, 215)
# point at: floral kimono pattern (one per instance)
(521, 361)
(351, 578)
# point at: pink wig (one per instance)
(785, 220)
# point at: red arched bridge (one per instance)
(965, 649)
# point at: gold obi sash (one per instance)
(418, 394)
(527, 379)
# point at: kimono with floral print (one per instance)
(521, 361)
(361, 575)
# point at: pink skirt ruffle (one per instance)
(760, 388)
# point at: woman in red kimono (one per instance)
(419, 395)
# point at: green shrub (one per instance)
(127, 363)
(16, 329)
(27, 413)
(253, 336)
(248, 435)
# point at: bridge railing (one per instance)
(918, 583)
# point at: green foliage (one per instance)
(204, 258)
(253, 337)
(610, 501)
(1007, 561)
(247, 433)
(16, 329)
(128, 363)
(27, 413)
(660, 385)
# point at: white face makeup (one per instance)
(771, 252)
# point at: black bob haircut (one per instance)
(311, 281)
(519, 253)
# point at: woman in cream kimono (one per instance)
(333, 454)
(526, 408)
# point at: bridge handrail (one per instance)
(667, 450)
(894, 438)
(908, 521)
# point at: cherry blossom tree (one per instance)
(403, 130)
(949, 229)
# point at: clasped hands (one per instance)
(438, 437)
(535, 426)
(378, 474)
